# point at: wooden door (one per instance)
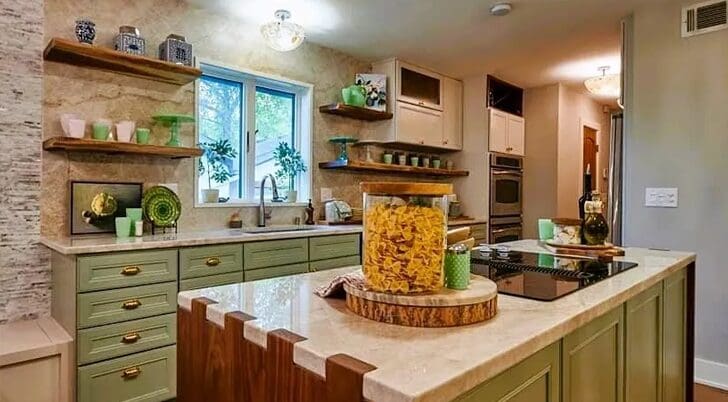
(498, 134)
(590, 155)
(452, 136)
(516, 135)
(593, 362)
(675, 290)
(643, 346)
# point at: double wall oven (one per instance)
(506, 198)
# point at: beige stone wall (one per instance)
(215, 38)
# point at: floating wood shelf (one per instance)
(354, 112)
(112, 147)
(391, 169)
(101, 58)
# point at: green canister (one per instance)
(457, 267)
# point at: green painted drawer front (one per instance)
(535, 379)
(334, 263)
(108, 306)
(208, 281)
(148, 376)
(109, 271)
(211, 260)
(592, 360)
(283, 270)
(327, 247)
(675, 294)
(114, 340)
(643, 346)
(266, 254)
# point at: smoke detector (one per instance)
(500, 9)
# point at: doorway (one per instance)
(589, 159)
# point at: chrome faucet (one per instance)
(262, 213)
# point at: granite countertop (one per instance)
(111, 243)
(425, 364)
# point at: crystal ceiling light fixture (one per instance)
(604, 85)
(282, 35)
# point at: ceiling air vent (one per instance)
(704, 17)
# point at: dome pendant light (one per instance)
(282, 35)
(604, 85)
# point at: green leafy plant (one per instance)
(289, 163)
(216, 155)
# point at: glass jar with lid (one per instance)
(405, 230)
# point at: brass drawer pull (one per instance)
(130, 338)
(131, 270)
(131, 372)
(131, 304)
(212, 262)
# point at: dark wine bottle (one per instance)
(309, 213)
(587, 195)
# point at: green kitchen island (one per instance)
(628, 338)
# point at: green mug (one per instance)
(123, 227)
(101, 131)
(142, 135)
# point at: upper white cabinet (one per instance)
(507, 133)
(427, 107)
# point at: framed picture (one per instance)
(95, 205)
(376, 87)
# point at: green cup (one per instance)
(142, 136)
(101, 131)
(436, 163)
(457, 267)
(387, 158)
(135, 214)
(123, 226)
(545, 229)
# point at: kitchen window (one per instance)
(255, 113)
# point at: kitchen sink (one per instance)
(278, 228)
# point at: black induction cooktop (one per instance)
(541, 276)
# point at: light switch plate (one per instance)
(661, 197)
(326, 194)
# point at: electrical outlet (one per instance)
(661, 197)
(326, 194)
(172, 186)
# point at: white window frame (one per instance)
(303, 130)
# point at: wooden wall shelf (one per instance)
(112, 147)
(354, 112)
(102, 58)
(360, 166)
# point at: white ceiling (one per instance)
(541, 42)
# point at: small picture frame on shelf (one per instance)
(376, 90)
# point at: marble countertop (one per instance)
(111, 243)
(425, 364)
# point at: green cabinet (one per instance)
(535, 379)
(674, 337)
(210, 281)
(333, 263)
(643, 346)
(592, 360)
(327, 247)
(109, 271)
(195, 262)
(274, 272)
(274, 253)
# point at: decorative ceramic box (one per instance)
(130, 41)
(174, 49)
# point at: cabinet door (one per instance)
(419, 87)
(516, 135)
(498, 131)
(535, 379)
(419, 125)
(643, 346)
(452, 136)
(674, 337)
(592, 359)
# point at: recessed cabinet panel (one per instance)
(419, 125)
(516, 135)
(498, 133)
(643, 346)
(452, 135)
(675, 295)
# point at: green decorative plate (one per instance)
(161, 206)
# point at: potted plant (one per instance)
(216, 156)
(290, 164)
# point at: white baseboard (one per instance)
(712, 374)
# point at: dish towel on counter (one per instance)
(336, 287)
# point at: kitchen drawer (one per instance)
(211, 260)
(479, 232)
(334, 263)
(283, 270)
(148, 376)
(114, 340)
(110, 306)
(109, 271)
(326, 247)
(273, 253)
(212, 280)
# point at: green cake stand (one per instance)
(342, 141)
(174, 121)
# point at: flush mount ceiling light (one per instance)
(282, 35)
(500, 9)
(604, 85)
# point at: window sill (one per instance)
(248, 204)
